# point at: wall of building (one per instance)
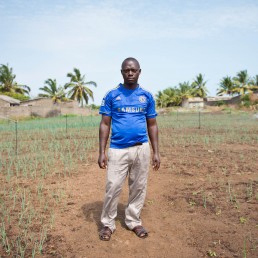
(27, 111)
(4, 103)
(234, 100)
(68, 104)
(45, 102)
(191, 104)
(196, 105)
(214, 101)
(38, 102)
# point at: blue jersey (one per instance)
(129, 110)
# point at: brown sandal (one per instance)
(105, 234)
(140, 231)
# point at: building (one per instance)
(216, 101)
(47, 102)
(193, 103)
(37, 102)
(39, 107)
(6, 101)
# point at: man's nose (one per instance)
(130, 72)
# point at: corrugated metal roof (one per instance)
(9, 99)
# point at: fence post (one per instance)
(91, 114)
(16, 138)
(66, 123)
(199, 119)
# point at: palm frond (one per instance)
(77, 85)
(43, 95)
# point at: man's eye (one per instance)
(128, 70)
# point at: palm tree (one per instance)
(168, 97)
(227, 86)
(243, 83)
(185, 90)
(254, 81)
(242, 77)
(161, 99)
(199, 87)
(78, 89)
(52, 91)
(7, 83)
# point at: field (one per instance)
(203, 202)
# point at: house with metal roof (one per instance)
(6, 101)
(216, 101)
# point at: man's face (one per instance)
(131, 72)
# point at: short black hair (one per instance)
(130, 59)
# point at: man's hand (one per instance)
(153, 135)
(155, 162)
(102, 161)
(104, 129)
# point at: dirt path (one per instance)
(187, 211)
(77, 224)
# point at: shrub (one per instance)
(245, 97)
(221, 103)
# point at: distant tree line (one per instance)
(241, 84)
(76, 88)
(238, 85)
(173, 96)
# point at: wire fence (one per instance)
(14, 133)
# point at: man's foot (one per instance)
(140, 231)
(105, 234)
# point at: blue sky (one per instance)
(173, 40)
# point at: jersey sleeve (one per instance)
(151, 111)
(105, 108)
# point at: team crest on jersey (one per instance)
(142, 99)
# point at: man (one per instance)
(131, 110)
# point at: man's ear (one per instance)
(140, 70)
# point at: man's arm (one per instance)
(154, 138)
(104, 129)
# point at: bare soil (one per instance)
(192, 209)
(203, 202)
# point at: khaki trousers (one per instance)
(134, 163)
